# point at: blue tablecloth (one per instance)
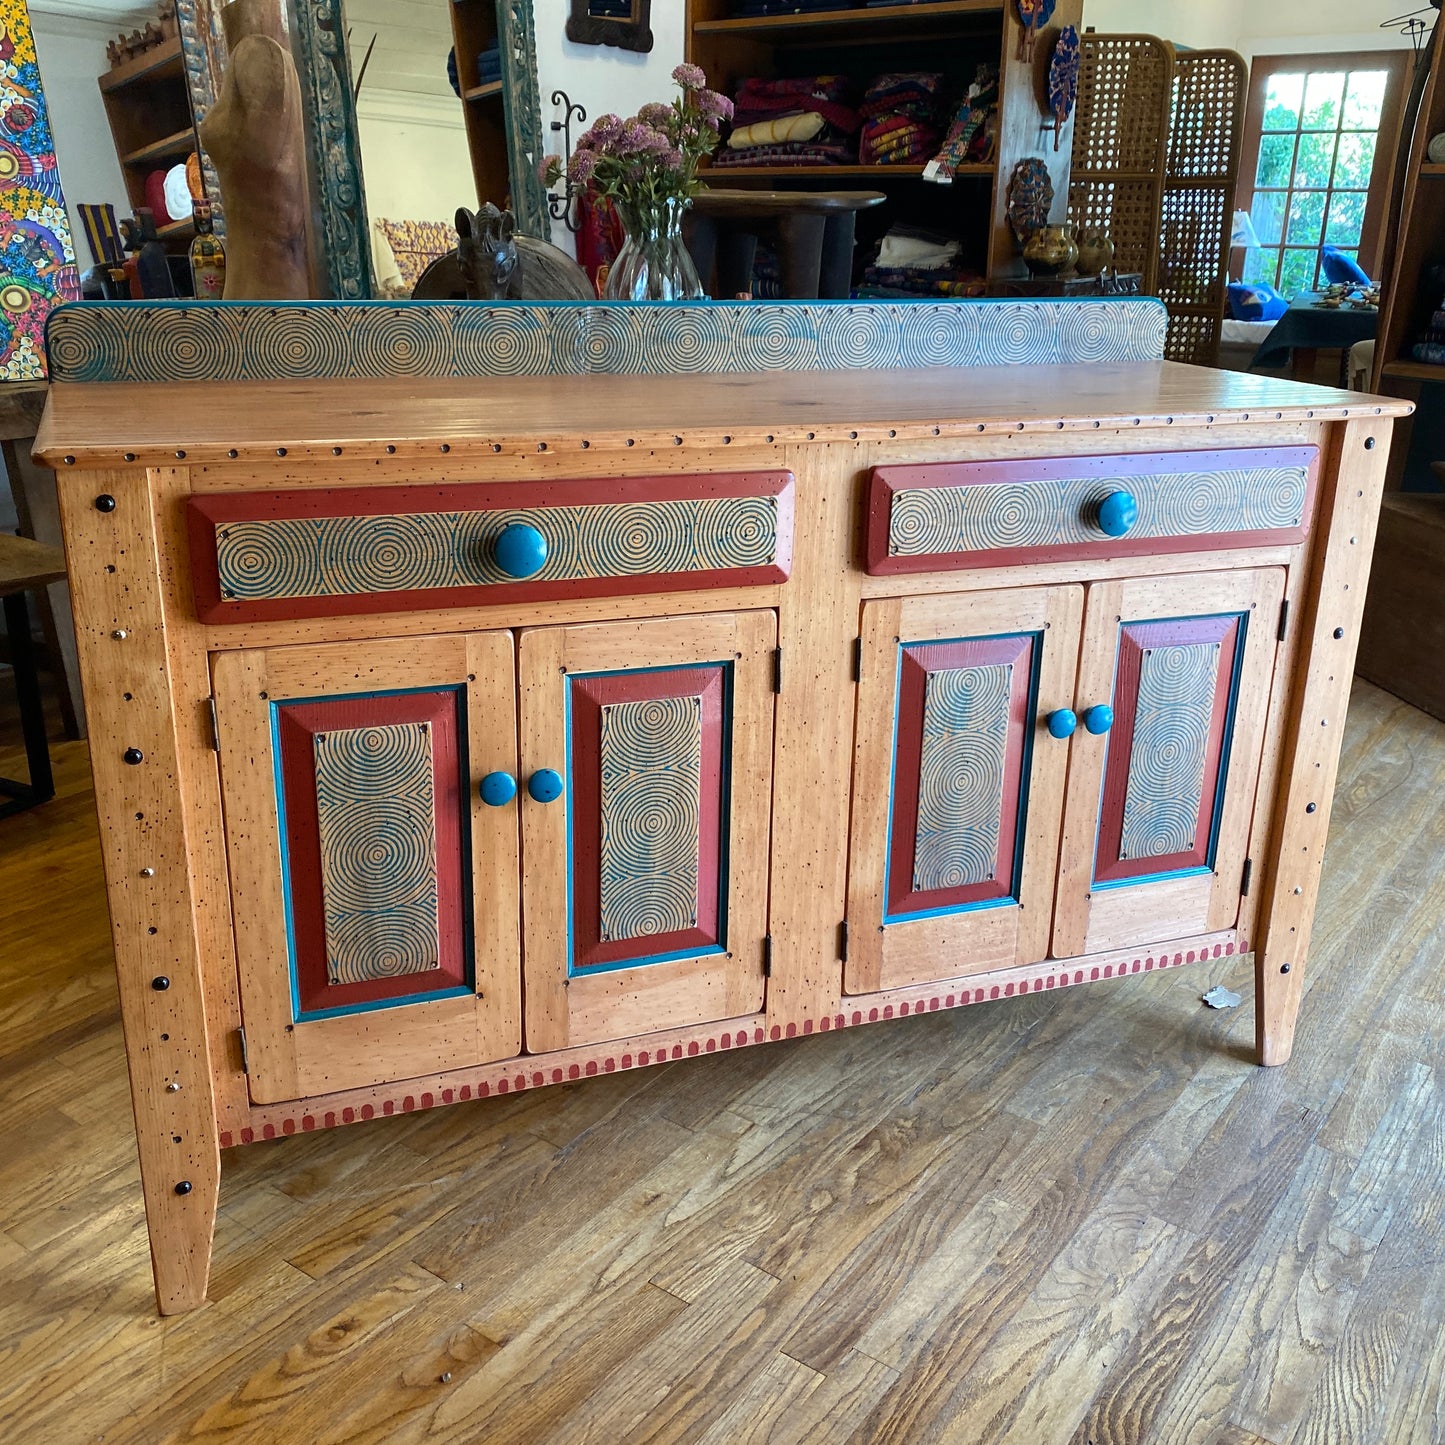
(1314, 328)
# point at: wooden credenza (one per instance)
(456, 737)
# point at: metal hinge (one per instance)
(1245, 877)
(215, 726)
(767, 955)
(777, 669)
(857, 659)
(245, 1058)
(843, 940)
(1283, 619)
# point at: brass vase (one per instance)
(1096, 252)
(1051, 251)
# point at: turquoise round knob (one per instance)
(1117, 513)
(1062, 723)
(1099, 719)
(521, 551)
(498, 789)
(544, 786)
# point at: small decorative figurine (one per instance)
(1033, 16)
(208, 257)
(152, 270)
(493, 263)
(1064, 78)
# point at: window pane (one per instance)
(1365, 99)
(1355, 161)
(1323, 92)
(1306, 218)
(1347, 218)
(1261, 265)
(1315, 160)
(1276, 160)
(1282, 97)
(1298, 272)
(1267, 213)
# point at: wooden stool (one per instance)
(812, 230)
(32, 489)
(23, 565)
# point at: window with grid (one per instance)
(1320, 137)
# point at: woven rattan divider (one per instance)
(1121, 130)
(1205, 139)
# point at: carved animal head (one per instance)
(487, 252)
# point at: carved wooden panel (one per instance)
(328, 552)
(966, 717)
(1173, 724)
(933, 516)
(1171, 747)
(651, 771)
(957, 784)
(376, 820)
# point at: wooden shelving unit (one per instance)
(148, 105)
(1402, 640)
(474, 27)
(951, 36)
(1417, 246)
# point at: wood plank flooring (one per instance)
(1079, 1217)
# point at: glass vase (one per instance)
(653, 264)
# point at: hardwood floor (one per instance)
(1068, 1217)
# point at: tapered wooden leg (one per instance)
(1343, 538)
(136, 710)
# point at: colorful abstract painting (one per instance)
(37, 259)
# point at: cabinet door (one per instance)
(376, 909)
(957, 783)
(647, 749)
(1160, 799)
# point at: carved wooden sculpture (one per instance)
(255, 137)
(493, 263)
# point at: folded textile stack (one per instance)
(915, 262)
(974, 132)
(489, 64)
(1430, 348)
(751, 9)
(809, 121)
(901, 119)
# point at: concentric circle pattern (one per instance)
(348, 556)
(1171, 743)
(255, 341)
(1048, 512)
(376, 826)
(960, 777)
(651, 762)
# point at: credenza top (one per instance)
(109, 424)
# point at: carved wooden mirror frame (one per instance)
(632, 33)
(318, 35)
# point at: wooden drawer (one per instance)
(937, 516)
(332, 551)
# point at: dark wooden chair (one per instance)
(24, 566)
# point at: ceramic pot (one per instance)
(1050, 251)
(1096, 252)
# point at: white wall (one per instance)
(601, 78)
(1277, 27)
(71, 53)
(414, 158)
